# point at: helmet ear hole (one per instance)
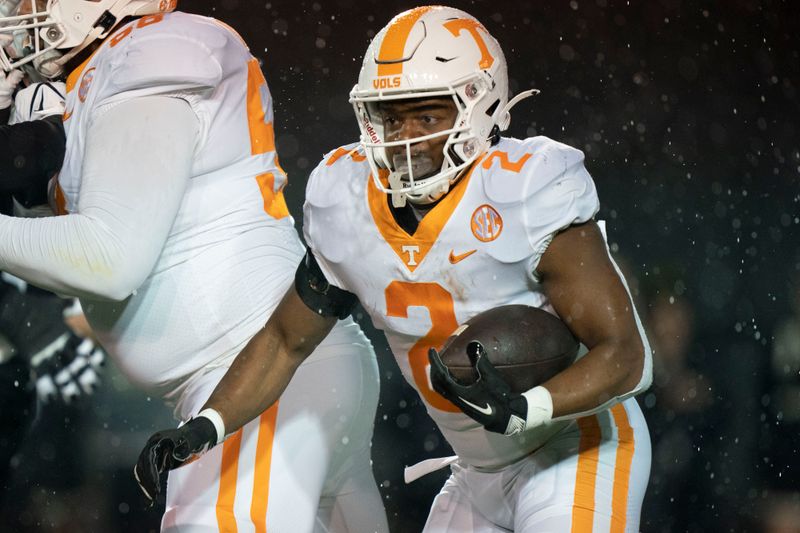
(492, 108)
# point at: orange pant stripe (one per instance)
(622, 469)
(227, 483)
(266, 436)
(586, 477)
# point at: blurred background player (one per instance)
(430, 220)
(178, 241)
(46, 349)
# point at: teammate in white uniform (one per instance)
(178, 241)
(434, 218)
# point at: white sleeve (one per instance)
(136, 168)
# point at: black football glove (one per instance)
(489, 400)
(68, 372)
(169, 449)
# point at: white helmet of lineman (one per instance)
(48, 37)
(429, 52)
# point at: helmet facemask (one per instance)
(30, 40)
(410, 178)
(410, 175)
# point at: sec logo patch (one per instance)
(486, 223)
(86, 82)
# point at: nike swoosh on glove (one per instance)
(489, 400)
(170, 448)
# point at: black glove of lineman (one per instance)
(169, 449)
(489, 400)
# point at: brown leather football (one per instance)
(525, 344)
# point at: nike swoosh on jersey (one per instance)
(485, 410)
(460, 257)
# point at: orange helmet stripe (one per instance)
(394, 41)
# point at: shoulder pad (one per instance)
(551, 191)
(333, 193)
(173, 54)
(517, 169)
(340, 170)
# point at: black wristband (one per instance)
(318, 294)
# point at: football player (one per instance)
(177, 239)
(432, 218)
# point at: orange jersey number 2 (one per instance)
(401, 295)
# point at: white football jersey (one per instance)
(232, 250)
(477, 249)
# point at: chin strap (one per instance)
(398, 198)
(505, 114)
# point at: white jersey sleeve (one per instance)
(127, 206)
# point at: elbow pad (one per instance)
(318, 294)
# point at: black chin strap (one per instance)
(494, 135)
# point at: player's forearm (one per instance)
(609, 373)
(256, 379)
(74, 255)
(261, 372)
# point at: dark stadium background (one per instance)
(688, 114)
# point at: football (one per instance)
(525, 344)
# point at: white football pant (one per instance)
(589, 478)
(303, 466)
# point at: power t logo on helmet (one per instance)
(49, 34)
(431, 52)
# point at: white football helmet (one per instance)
(428, 52)
(50, 37)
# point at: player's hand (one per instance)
(170, 448)
(39, 100)
(70, 372)
(8, 83)
(489, 400)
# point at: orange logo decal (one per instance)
(86, 82)
(460, 257)
(486, 223)
(455, 27)
(67, 114)
(505, 164)
(354, 155)
(115, 40)
(150, 19)
(386, 82)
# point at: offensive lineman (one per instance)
(430, 220)
(178, 241)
